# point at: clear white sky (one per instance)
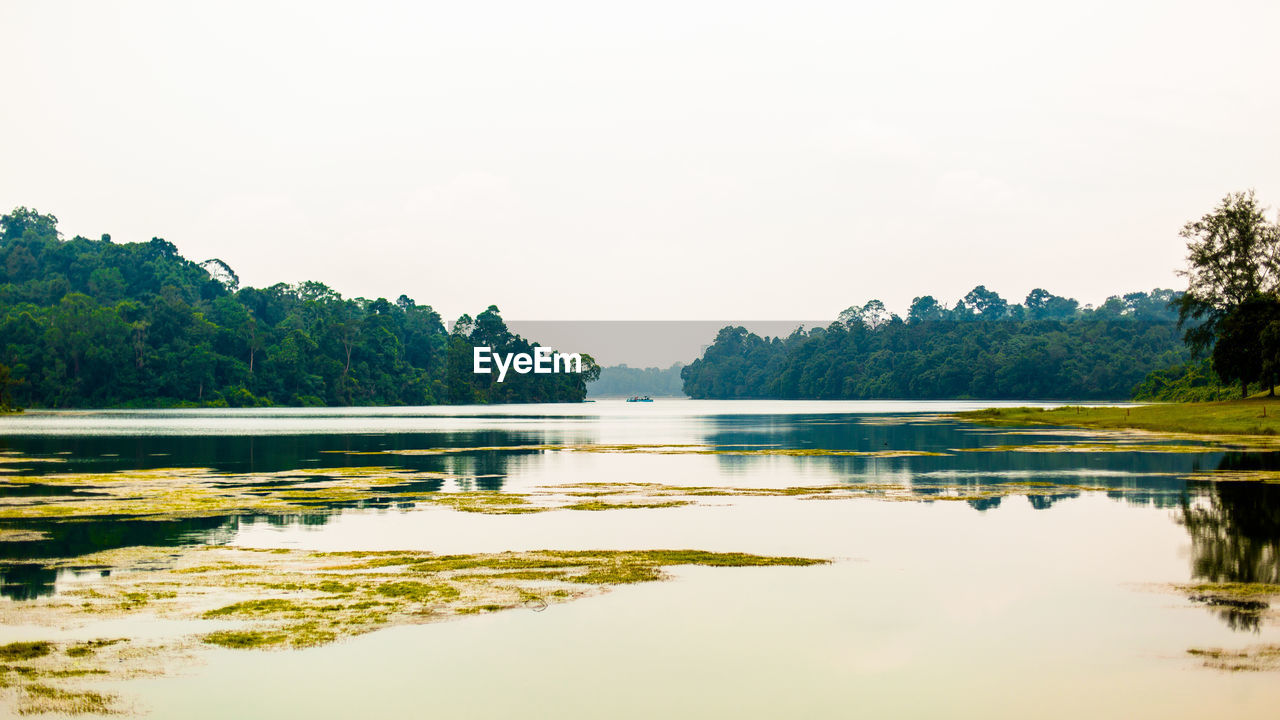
(646, 160)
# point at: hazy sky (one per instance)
(654, 160)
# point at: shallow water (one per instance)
(1051, 602)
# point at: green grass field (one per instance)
(1255, 416)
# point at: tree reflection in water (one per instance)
(1235, 535)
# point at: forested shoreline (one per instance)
(93, 323)
(625, 381)
(983, 347)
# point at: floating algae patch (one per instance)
(178, 493)
(13, 458)
(491, 503)
(1093, 447)
(40, 698)
(1232, 590)
(1243, 606)
(90, 647)
(663, 449)
(244, 640)
(174, 493)
(50, 677)
(1262, 476)
(1256, 658)
(1241, 422)
(599, 505)
(819, 452)
(247, 599)
(24, 650)
(11, 535)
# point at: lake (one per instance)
(974, 571)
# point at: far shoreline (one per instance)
(1258, 416)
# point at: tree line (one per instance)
(625, 381)
(982, 347)
(93, 323)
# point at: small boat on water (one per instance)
(637, 398)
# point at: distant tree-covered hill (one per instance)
(624, 381)
(92, 323)
(983, 347)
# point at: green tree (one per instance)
(925, 309)
(1237, 349)
(1233, 257)
(986, 303)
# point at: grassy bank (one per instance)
(1255, 416)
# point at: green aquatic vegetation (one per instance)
(1234, 589)
(244, 639)
(89, 647)
(517, 575)
(1242, 605)
(175, 493)
(721, 559)
(1254, 420)
(297, 599)
(1241, 599)
(11, 535)
(618, 574)
(131, 600)
(39, 685)
(1094, 447)
(599, 505)
(429, 563)
(309, 634)
(414, 591)
(645, 565)
(819, 452)
(490, 503)
(501, 562)
(485, 608)
(256, 607)
(1251, 659)
(41, 698)
(1263, 476)
(225, 567)
(25, 650)
(335, 587)
(7, 458)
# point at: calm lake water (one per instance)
(1048, 603)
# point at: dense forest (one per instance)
(982, 347)
(624, 381)
(93, 323)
